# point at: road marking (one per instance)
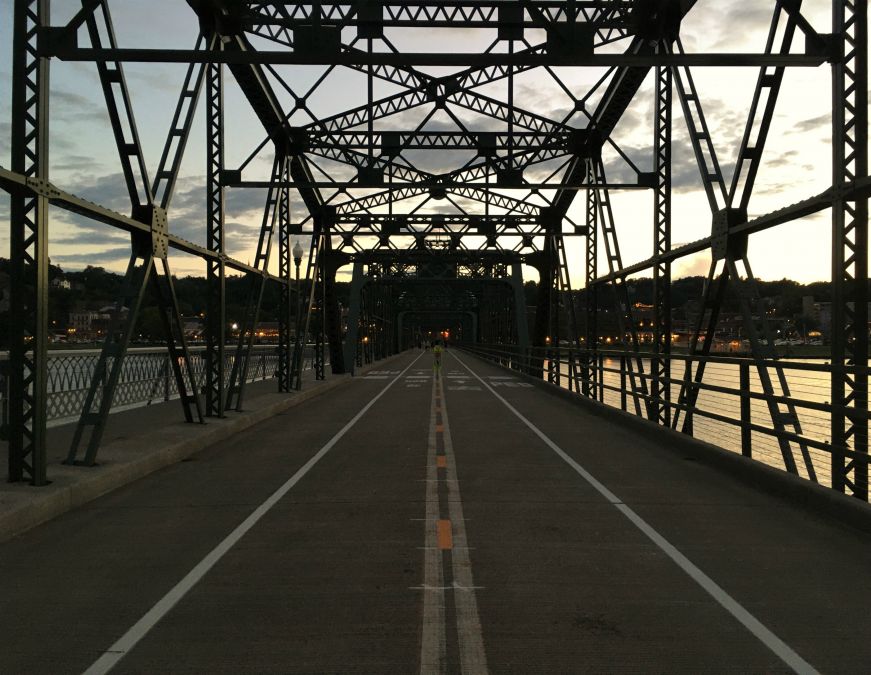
(445, 538)
(433, 650)
(141, 628)
(750, 622)
(440, 428)
(442, 462)
(453, 587)
(473, 659)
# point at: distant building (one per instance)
(192, 327)
(5, 292)
(89, 325)
(822, 313)
(61, 283)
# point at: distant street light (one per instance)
(297, 260)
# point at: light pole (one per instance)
(297, 259)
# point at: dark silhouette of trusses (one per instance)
(352, 183)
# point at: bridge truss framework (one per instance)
(494, 218)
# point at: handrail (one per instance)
(146, 377)
(731, 411)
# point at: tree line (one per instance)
(95, 287)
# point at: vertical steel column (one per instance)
(284, 306)
(521, 323)
(332, 316)
(591, 270)
(661, 245)
(352, 337)
(29, 248)
(318, 305)
(850, 250)
(216, 320)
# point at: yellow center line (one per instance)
(445, 537)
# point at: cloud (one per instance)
(69, 106)
(88, 233)
(109, 190)
(73, 163)
(110, 257)
(5, 135)
(694, 266)
(820, 122)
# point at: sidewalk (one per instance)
(138, 442)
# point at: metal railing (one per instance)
(146, 377)
(731, 411)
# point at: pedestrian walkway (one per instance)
(449, 520)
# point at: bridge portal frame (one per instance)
(652, 30)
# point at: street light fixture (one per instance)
(297, 254)
(297, 260)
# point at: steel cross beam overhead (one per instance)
(712, 60)
(451, 13)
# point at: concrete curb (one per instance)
(799, 491)
(71, 487)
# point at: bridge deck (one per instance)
(434, 530)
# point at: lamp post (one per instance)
(297, 259)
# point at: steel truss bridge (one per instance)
(423, 244)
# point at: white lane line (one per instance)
(744, 617)
(433, 648)
(473, 659)
(141, 628)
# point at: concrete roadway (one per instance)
(421, 524)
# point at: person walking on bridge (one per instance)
(437, 354)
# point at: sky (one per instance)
(83, 158)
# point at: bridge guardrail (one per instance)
(146, 377)
(732, 410)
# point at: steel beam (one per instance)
(257, 284)
(437, 183)
(850, 250)
(589, 381)
(216, 319)
(661, 362)
(28, 334)
(18, 183)
(453, 59)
